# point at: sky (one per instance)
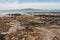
(35, 4)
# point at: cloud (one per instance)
(42, 5)
(35, 5)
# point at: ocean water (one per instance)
(21, 11)
(29, 10)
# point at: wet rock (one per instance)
(2, 37)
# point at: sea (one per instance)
(21, 11)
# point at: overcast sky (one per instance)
(36, 4)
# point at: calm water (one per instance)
(3, 12)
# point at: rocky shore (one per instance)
(29, 27)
